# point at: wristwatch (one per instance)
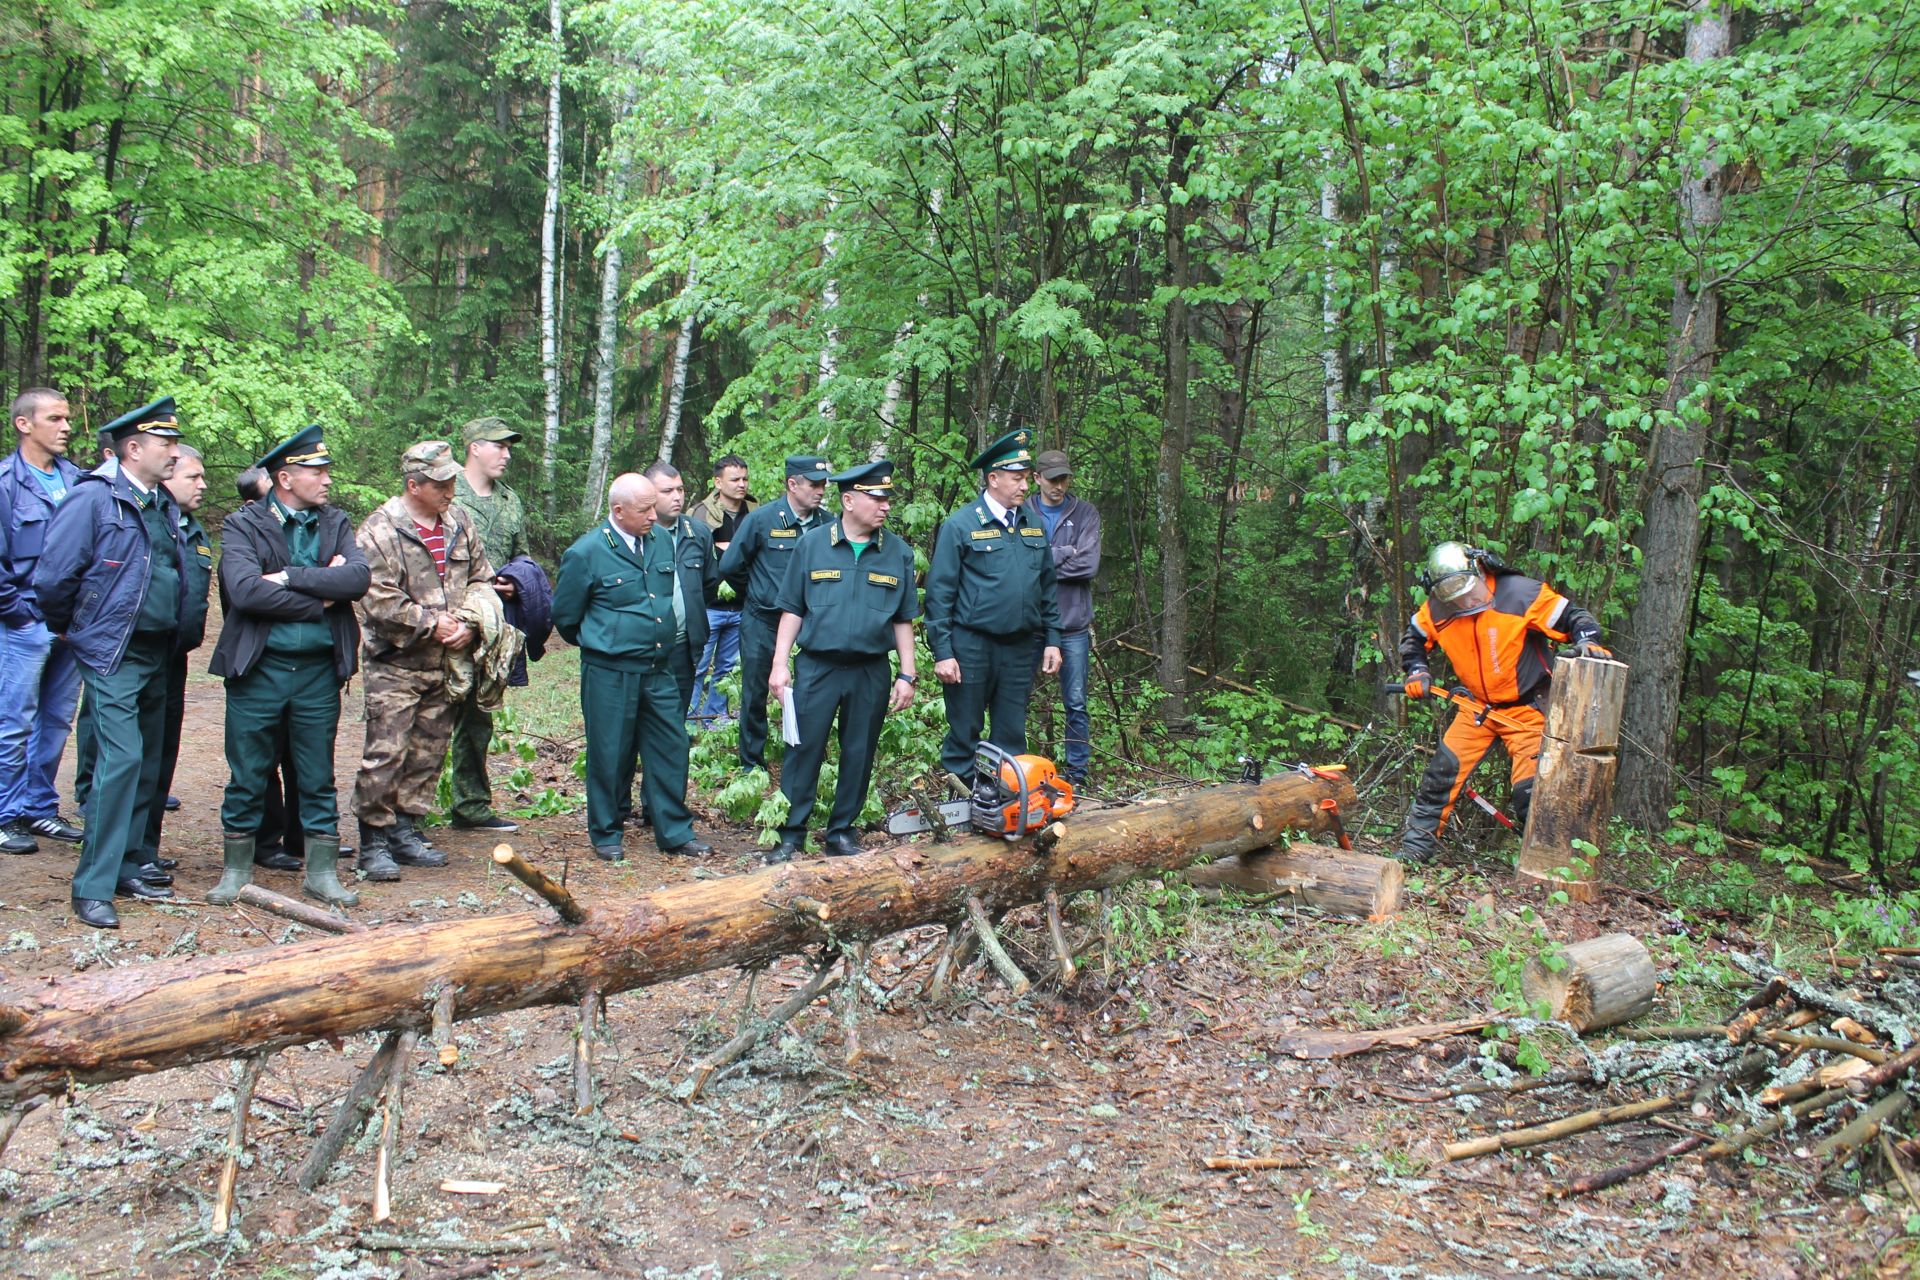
(908, 677)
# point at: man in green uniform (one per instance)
(849, 599)
(756, 566)
(614, 599)
(290, 571)
(990, 600)
(187, 486)
(112, 580)
(501, 521)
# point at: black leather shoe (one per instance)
(57, 828)
(640, 819)
(95, 913)
(276, 860)
(166, 864)
(842, 844)
(492, 822)
(135, 887)
(173, 804)
(17, 837)
(346, 852)
(151, 873)
(785, 851)
(609, 853)
(694, 848)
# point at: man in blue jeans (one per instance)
(1073, 531)
(39, 679)
(721, 511)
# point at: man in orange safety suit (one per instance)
(1497, 628)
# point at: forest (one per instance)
(1623, 293)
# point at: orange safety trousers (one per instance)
(1461, 749)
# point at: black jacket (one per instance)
(252, 546)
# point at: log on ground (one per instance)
(1340, 882)
(110, 1025)
(1605, 981)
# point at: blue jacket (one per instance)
(92, 577)
(24, 516)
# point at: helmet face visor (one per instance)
(1459, 594)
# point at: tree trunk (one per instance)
(1670, 538)
(1170, 485)
(549, 238)
(607, 348)
(1573, 791)
(172, 1013)
(677, 379)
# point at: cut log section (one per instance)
(112, 1024)
(1336, 881)
(1606, 981)
(1573, 790)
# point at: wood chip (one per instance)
(1304, 1042)
(461, 1187)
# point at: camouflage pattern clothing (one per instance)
(500, 520)
(409, 716)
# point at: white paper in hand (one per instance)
(789, 718)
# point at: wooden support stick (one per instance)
(583, 1053)
(943, 967)
(746, 1004)
(823, 980)
(14, 1115)
(1864, 1127)
(1058, 932)
(1735, 1143)
(990, 943)
(443, 1009)
(249, 1076)
(1534, 1135)
(299, 912)
(1107, 959)
(390, 1129)
(541, 883)
(855, 969)
(352, 1115)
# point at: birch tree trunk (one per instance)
(682, 349)
(607, 348)
(1670, 539)
(1333, 363)
(549, 238)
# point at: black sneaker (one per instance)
(492, 822)
(17, 837)
(54, 827)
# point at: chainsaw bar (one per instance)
(911, 820)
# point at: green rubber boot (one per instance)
(323, 873)
(239, 870)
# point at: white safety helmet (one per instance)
(1456, 584)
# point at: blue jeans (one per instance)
(39, 685)
(1076, 652)
(716, 660)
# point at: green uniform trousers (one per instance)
(129, 715)
(302, 692)
(471, 785)
(176, 713)
(757, 629)
(680, 663)
(629, 712)
(83, 751)
(857, 693)
(996, 675)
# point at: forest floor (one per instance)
(1063, 1134)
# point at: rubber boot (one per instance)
(376, 853)
(410, 848)
(238, 873)
(323, 875)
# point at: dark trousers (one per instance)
(129, 720)
(471, 786)
(857, 694)
(294, 694)
(629, 713)
(83, 749)
(996, 675)
(757, 630)
(176, 712)
(276, 831)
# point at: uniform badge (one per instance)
(825, 575)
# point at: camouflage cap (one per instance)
(494, 429)
(429, 460)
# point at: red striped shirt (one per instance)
(436, 540)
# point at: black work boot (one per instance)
(410, 848)
(376, 853)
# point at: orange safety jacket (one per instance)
(1502, 654)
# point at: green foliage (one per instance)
(1150, 918)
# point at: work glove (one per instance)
(1591, 649)
(1419, 684)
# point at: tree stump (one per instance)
(1573, 790)
(1339, 882)
(1605, 981)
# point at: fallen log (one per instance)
(109, 1025)
(1604, 981)
(1337, 881)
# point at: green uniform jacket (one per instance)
(500, 519)
(847, 607)
(199, 575)
(761, 547)
(699, 569)
(617, 605)
(990, 579)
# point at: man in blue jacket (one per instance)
(113, 581)
(39, 680)
(1073, 534)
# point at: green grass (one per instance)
(550, 704)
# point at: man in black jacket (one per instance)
(290, 571)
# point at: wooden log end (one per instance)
(503, 854)
(1601, 982)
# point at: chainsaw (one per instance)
(1012, 796)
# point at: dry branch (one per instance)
(1535, 1135)
(352, 1115)
(302, 913)
(236, 1143)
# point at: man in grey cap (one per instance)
(423, 553)
(500, 520)
(1073, 534)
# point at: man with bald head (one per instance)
(615, 601)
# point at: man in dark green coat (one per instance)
(756, 566)
(849, 599)
(990, 601)
(615, 600)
